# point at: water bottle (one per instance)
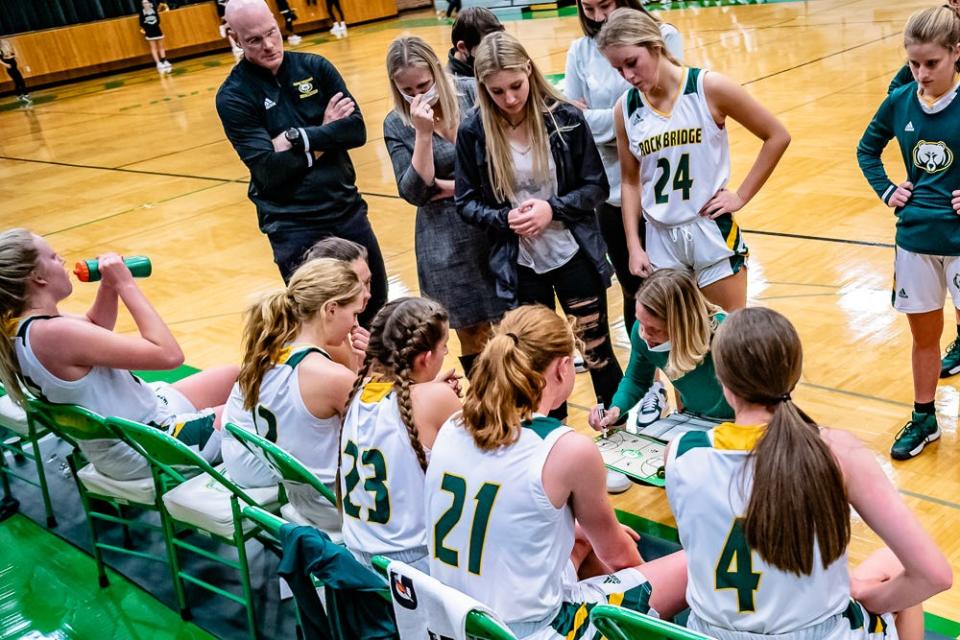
(89, 270)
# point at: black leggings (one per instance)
(610, 219)
(19, 86)
(454, 4)
(335, 3)
(580, 290)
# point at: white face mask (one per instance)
(660, 348)
(431, 96)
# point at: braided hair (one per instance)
(402, 330)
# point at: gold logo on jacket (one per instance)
(306, 88)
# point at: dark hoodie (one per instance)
(458, 67)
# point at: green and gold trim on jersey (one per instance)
(737, 437)
(375, 391)
(292, 355)
(573, 619)
(542, 425)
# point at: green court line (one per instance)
(120, 213)
(855, 394)
(926, 498)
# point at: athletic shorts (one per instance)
(921, 281)
(712, 249)
(176, 416)
(179, 418)
(627, 588)
(417, 558)
(856, 623)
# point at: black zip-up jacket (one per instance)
(290, 188)
(581, 187)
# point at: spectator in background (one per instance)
(150, 28)
(471, 25)
(8, 60)
(289, 17)
(224, 32)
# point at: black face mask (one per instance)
(593, 25)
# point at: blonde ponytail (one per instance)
(276, 319)
(18, 258)
(507, 381)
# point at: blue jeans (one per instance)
(289, 245)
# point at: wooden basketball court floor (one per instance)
(138, 164)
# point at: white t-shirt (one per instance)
(555, 246)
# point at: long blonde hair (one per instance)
(631, 28)
(403, 329)
(673, 296)
(798, 499)
(500, 51)
(507, 381)
(412, 51)
(275, 320)
(936, 25)
(18, 258)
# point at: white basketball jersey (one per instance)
(494, 534)
(709, 478)
(380, 478)
(105, 391)
(684, 156)
(281, 417)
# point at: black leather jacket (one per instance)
(581, 181)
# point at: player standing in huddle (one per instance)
(950, 364)
(766, 554)
(399, 401)
(594, 86)
(150, 28)
(922, 116)
(503, 507)
(675, 159)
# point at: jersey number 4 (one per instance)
(735, 568)
(681, 179)
(457, 486)
(374, 484)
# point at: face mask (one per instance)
(430, 96)
(660, 348)
(593, 25)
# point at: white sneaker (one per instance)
(617, 482)
(343, 29)
(294, 39)
(652, 406)
(579, 364)
(335, 29)
(161, 68)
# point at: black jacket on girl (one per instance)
(581, 186)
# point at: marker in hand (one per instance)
(602, 412)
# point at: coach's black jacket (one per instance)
(581, 187)
(255, 106)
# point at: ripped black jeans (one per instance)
(581, 293)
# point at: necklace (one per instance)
(514, 127)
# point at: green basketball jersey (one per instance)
(929, 139)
